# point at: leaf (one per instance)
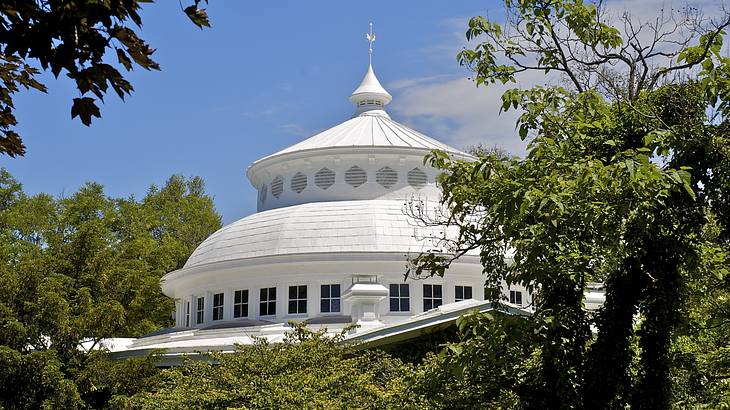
(85, 108)
(198, 16)
(630, 166)
(124, 60)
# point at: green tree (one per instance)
(623, 165)
(75, 37)
(308, 370)
(80, 269)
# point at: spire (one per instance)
(370, 97)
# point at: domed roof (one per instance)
(324, 227)
(367, 131)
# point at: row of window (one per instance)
(399, 298)
(355, 176)
(329, 303)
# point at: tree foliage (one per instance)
(78, 269)
(309, 370)
(75, 37)
(627, 164)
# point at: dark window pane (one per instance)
(394, 290)
(519, 298)
(427, 304)
(272, 308)
(437, 291)
(467, 292)
(244, 310)
(437, 302)
(292, 292)
(405, 305)
(335, 305)
(325, 291)
(335, 291)
(427, 291)
(324, 306)
(292, 306)
(404, 290)
(394, 305)
(272, 293)
(236, 310)
(244, 296)
(263, 294)
(303, 292)
(237, 297)
(302, 306)
(459, 293)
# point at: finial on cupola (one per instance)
(370, 97)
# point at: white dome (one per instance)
(324, 227)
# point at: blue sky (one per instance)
(265, 76)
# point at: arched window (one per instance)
(277, 186)
(417, 178)
(324, 178)
(386, 177)
(298, 182)
(355, 176)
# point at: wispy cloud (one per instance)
(294, 129)
(457, 112)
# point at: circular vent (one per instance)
(386, 177)
(416, 178)
(262, 193)
(298, 182)
(324, 178)
(355, 176)
(277, 186)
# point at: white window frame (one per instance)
(464, 287)
(199, 310)
(432, 300)
(298, 300)
(241, 304)
(399, 297)
(513, 296)
(329, 300)
(187, 313)
(217, 310)
(269, 301)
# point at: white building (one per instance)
(329, 245)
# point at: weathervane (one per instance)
(370, 37)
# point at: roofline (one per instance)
(302, 257)
(413, 327)
(425, 322)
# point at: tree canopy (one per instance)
(625, 183)
(75, 270)
(75, 37)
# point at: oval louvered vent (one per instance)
(355, 176)
(262, 193)
(416, 178)
(324, 178)
(386, 177)
(298, 182)
(277, 186)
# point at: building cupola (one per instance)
(370, 97)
